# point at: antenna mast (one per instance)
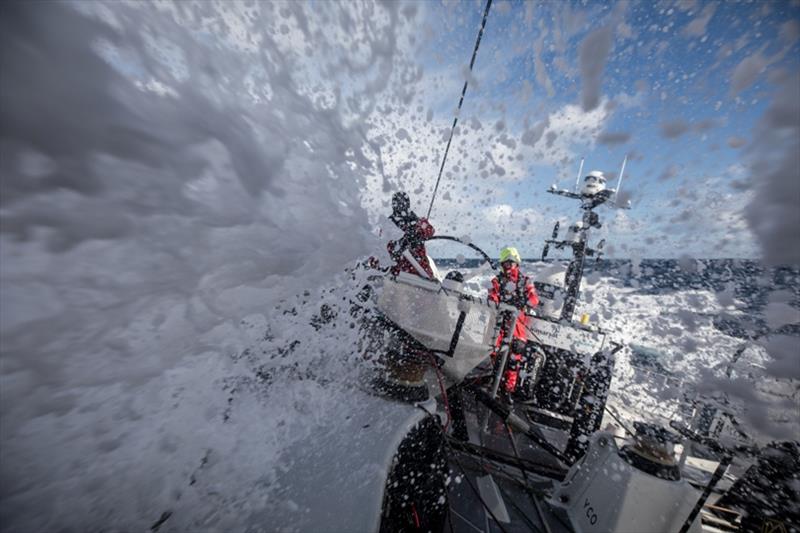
(619, 181)
(578, 178)
(580, 242)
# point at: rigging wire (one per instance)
(487, 464)
(527, 482)
(450, 515)
(460, 102)
(620, 422)
(509, 500)
(466, 521)
(443, 391)
(478, 494)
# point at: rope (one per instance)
(460, 102)
(443, 391)
(619, 421)
(527, 482)
(478, 494)
(486, 463)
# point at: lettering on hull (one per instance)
(590, 513)
(566, 337)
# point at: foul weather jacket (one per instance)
(514, 288)
(413, 241)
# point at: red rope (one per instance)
(416, 516)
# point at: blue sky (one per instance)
(686, 89)
(682, 89)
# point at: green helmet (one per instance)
(509, 254)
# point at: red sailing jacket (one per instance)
(414, 242)
(507, 287)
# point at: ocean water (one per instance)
(747, 282)
(721, 331)
(217, 432)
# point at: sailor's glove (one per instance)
(395, 250)
(518, 346)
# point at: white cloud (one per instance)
(570, 128)
(483, 162)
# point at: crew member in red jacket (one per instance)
(406, 365)
(409, 252)
(515, 288)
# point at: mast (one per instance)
(580, 242)
(574, 275)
